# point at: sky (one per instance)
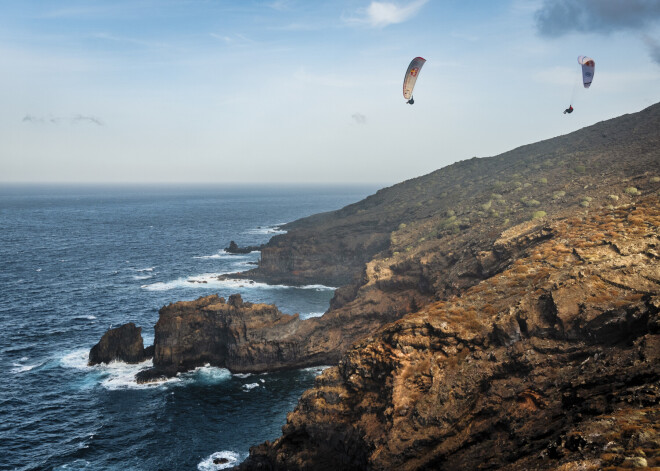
(299, 91)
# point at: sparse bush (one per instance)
(486, 206)
(543, 180)
(631, 190)
(558, 194)
(450, 213)
(538, 214)
(517, 184)
(613, 197)
(580, 168)
(655, 179)
(496, 196)
(527, 185)
(530, 203)
(587, 198)
(584, 204)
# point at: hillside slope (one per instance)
(473, 196)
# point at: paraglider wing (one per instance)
(411, 76)
(588, 66)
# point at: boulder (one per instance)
(123, 343)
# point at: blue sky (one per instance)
(305, 92)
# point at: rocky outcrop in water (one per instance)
(248, 338)
(235, 249)
(553, 363)
(123, 343)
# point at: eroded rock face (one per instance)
(231, 334)
(121, 344)
(246, 337)
(552, 363)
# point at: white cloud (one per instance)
(381, 14)
(74, 119)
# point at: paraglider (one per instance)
(588, 67)
(411, 77)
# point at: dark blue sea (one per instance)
(77, 260)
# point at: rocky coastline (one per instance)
(500, 313)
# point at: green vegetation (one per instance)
(538, 214)
(530, 203)
(558, 194)
(613, 197)
(543, 180)
(631, 190)
(654, 179)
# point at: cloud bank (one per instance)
(558, 17)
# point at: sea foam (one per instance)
(211, 280)
(232, 458)
(274, 229)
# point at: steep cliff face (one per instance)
(553, 363)
(420, 228)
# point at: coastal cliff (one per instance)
(551, 364)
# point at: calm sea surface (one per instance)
(77, 260)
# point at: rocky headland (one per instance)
(499, 313)
(553, 363)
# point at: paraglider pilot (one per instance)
(411, 101)
(569, 109)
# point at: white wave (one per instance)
(119, 375)
(112, 376)
(142, 277)
(247, 387)
(76, 359)
(242, 375)
(309, 315)
(38, 269)
(228, 458)
(316, 370)
(206, 374)
(145, 269)
(210, 280)
(274, 229)
(89, 318)
(315, 287)
(205, 280)
(20, 368)
(227, 255)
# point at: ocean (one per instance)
(77, 260)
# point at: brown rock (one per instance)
(550, 364)
(120, 344)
